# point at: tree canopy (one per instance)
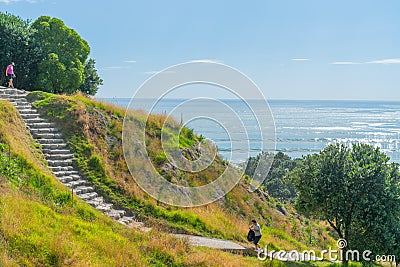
(48, 55)
(277, 182)
(357, 191)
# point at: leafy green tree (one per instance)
(18, 45)
(276, 182)
(356, 190)
(48, 55)
(91, 80)
(62, 48)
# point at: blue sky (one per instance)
(306, 49)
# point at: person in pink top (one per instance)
(10, 74)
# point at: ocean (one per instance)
(301, 127)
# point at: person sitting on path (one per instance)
(10, 74)
(257, 231)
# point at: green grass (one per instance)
(41, 224)
(93, 131)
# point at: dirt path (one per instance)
(211, 242)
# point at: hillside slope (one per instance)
(94, 132)
(42, 224)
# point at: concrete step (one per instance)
(14, 99)
(27, 110)
(126, 220)
(12, 91)
(53, 146)
(65, 179)
(115, 214)
(59, 156)
(34, 120)
(69, 178)
(37, 125)
(22, 106)
(43, 130)
(46, 135)
(104, 207)
(29, 115)
(61, 168)
(74, 184)
(51, 141)
(82, 189)
(95, 201)
(66, 173)
(60, 163)
(56, 151)
(88, 196)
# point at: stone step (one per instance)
(126, 220)
(19, 104)
(88, 196)
(29, 115)
(115, 214)
(46, 135)
(53, 146)
(69, 178)
(74, 184)
(82, 189)
(56, 151)
(27, 110)
(65, 179)
(12, 91)
(44, 130)
(104, 207)
(15, 99)
(66, 173)
(59, 156)
(60, 163)
(37, 125)
(96, 201)
(51, 141)
(22, 106)
(61, 168)
(34, 120)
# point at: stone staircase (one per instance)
(59, 157)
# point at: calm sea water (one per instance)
(302, 127)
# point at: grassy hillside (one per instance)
(93, 130)
(41, 224)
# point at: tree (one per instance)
(356, 190)
(276, 182)
(63, 49)
(48, 55)
(91, 80)
(18, 45)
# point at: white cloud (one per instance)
(385, 61)
(345, 63)
(300, 59)
(206, 61)
(115, 68)
(380, 61)
(130, 61)
(14, 1)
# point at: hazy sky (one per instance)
(291, 49)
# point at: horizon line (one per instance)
(258, 99)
